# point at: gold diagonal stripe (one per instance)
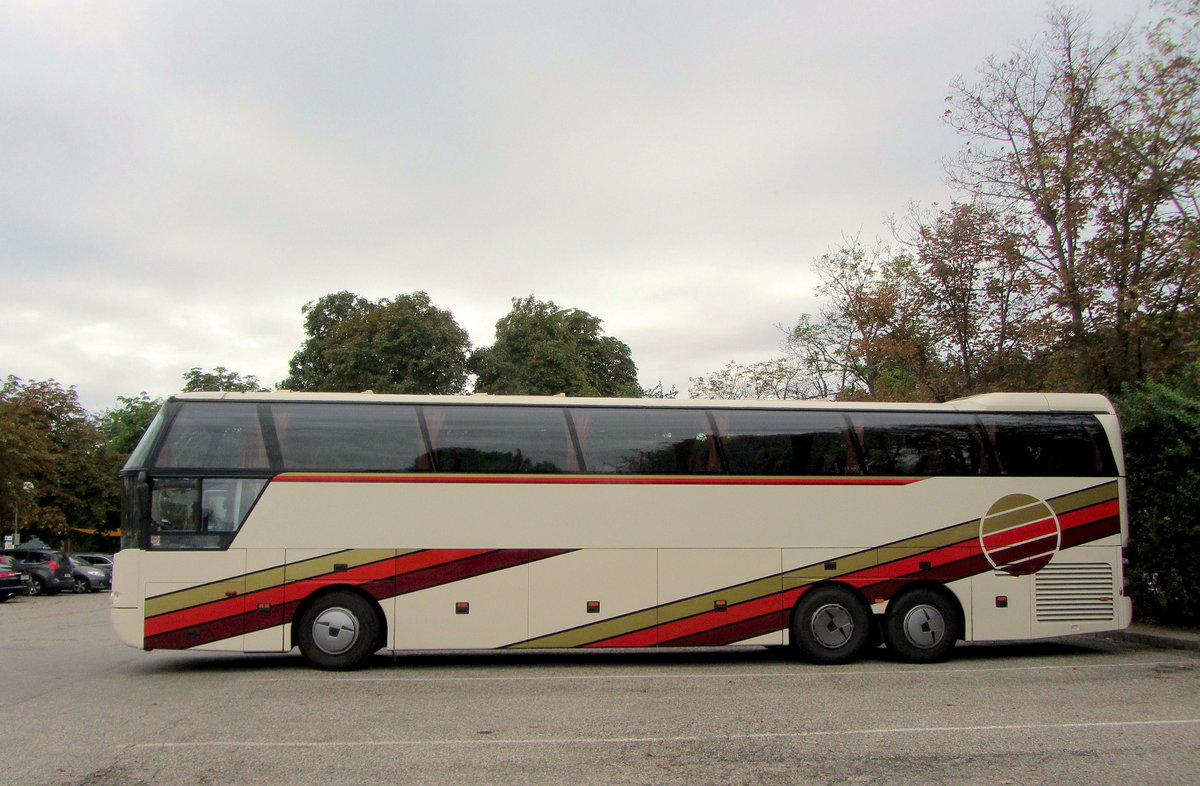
(596, 631)
(1067, 503)
(1027, 514)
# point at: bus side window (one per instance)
(761, 442)
(629, 441)
(347, 437)
(927, 444)
(502, 440)
(174, 503)
(224, 502)
(208, 435)
(1040, 444)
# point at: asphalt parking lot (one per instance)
(80, 708)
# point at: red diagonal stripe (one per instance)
(1023, 532)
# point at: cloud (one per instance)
(180, 178)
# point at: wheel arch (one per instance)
(316, 595)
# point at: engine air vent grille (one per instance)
(1075, 592)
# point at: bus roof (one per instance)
(987, 402)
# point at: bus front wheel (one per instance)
(831, 625)
(921, 626)
(339, 631)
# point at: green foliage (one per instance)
(48, 440)
(1161, 425)
(405, 345)
(542, 349)
(220, 379)
(125, 424)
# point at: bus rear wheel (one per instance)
(831, 625)
(339, 631)
(921, 626)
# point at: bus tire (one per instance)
(339, 631)
(921, 626)
(830, 625)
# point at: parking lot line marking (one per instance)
(724, 675)
(646, 740)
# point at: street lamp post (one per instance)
(25, 487)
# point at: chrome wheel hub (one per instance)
(335, 630)
(924, 627)
(832, 626)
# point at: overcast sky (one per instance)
(178, 179)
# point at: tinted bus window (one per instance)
(215, 436)
(646, 441)
(199, 513)
(919, 443)
(1047, 444)
(499, 439)
(360, 437)
(786, 443)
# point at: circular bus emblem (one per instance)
(1019, 534)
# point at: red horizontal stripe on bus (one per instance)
(1018, 534)
(600, 480)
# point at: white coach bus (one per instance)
(347, 523)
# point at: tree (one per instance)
(658, 391)
(1161, 426)
(403, 345)
(869, 339)
(985, 323)
(220, 379)
(782, 378)
(541, 349)
(124, 425)
(1091, 145)
(47, 439)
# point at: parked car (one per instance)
(86, 578)
(13, 580)
(49, 571)
(102, 562)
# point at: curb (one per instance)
(1155, 639)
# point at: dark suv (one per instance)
(49, 571)
(13, 579)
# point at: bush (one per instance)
(1161, 426)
